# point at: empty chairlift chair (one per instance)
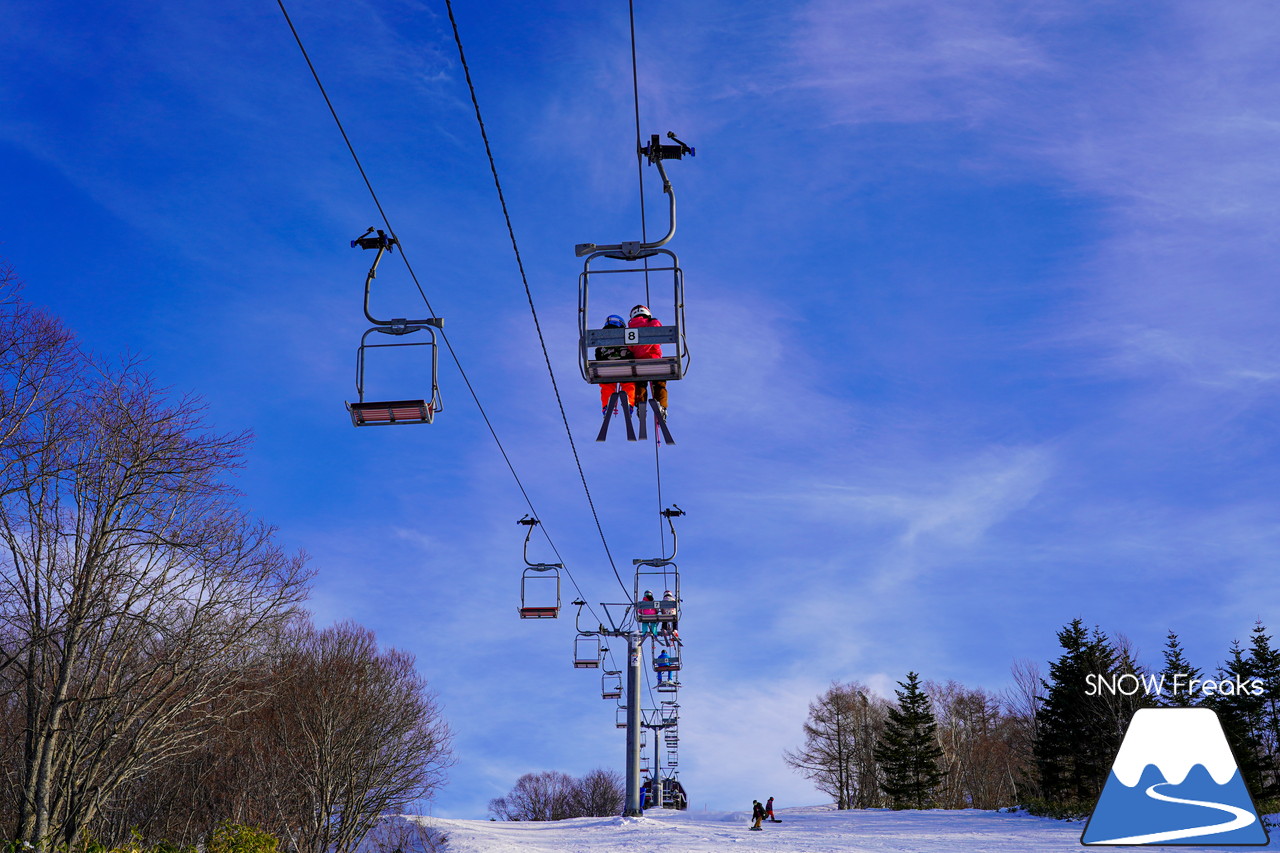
(586, 652)
(611, 684)
(540, 592)
(539, 584)
(392, 412)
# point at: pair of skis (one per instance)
(620, 399)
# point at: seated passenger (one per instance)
(607, 389)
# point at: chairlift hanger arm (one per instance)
(531, 523)
(577, 621)
(673, 512)
(385, 242)
(655, 153)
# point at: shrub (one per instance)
(1059, 809)
(236, 838)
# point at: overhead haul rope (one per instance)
(506, 215)
(635, 97)
(456, 361)
(644, 236)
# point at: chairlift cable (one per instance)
(644, 234)
(404, 255)
(635, 94)
(493, 168)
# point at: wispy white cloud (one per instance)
(913, 61)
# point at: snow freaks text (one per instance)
(1130, 684)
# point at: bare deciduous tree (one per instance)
(974, 734)
(839, 750)
(552, 795)
(353, 733)
(133, 585)
(1022, 704)
(39, 367)
(599, 793)
(537, 796)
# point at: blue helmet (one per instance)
(614, 320)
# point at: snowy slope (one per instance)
(817, 829)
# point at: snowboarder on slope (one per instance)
(757, 814)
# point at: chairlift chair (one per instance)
(586, 652)
(672, 364)
(611, 684)
(540, 606)
(665, 368)
(392, 412)
(670, 664)
(620, 718)
(668, 367)
(654, 575)
(543, 577)
(659, 573)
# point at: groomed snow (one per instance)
(815, 829)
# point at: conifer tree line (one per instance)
(1047, 743)
(158, 674)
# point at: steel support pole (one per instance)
(657, 769)
(633, 807)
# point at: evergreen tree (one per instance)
(908, 751)
(1178, 694)
(1079, 725)
(1241, 715)
(1264, 665)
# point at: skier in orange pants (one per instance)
(607, 390)
(640, 316)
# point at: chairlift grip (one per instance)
(655, 153)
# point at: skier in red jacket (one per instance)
(640, 316)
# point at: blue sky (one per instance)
(981, 301)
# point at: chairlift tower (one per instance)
(659, 720)
(628, 613)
